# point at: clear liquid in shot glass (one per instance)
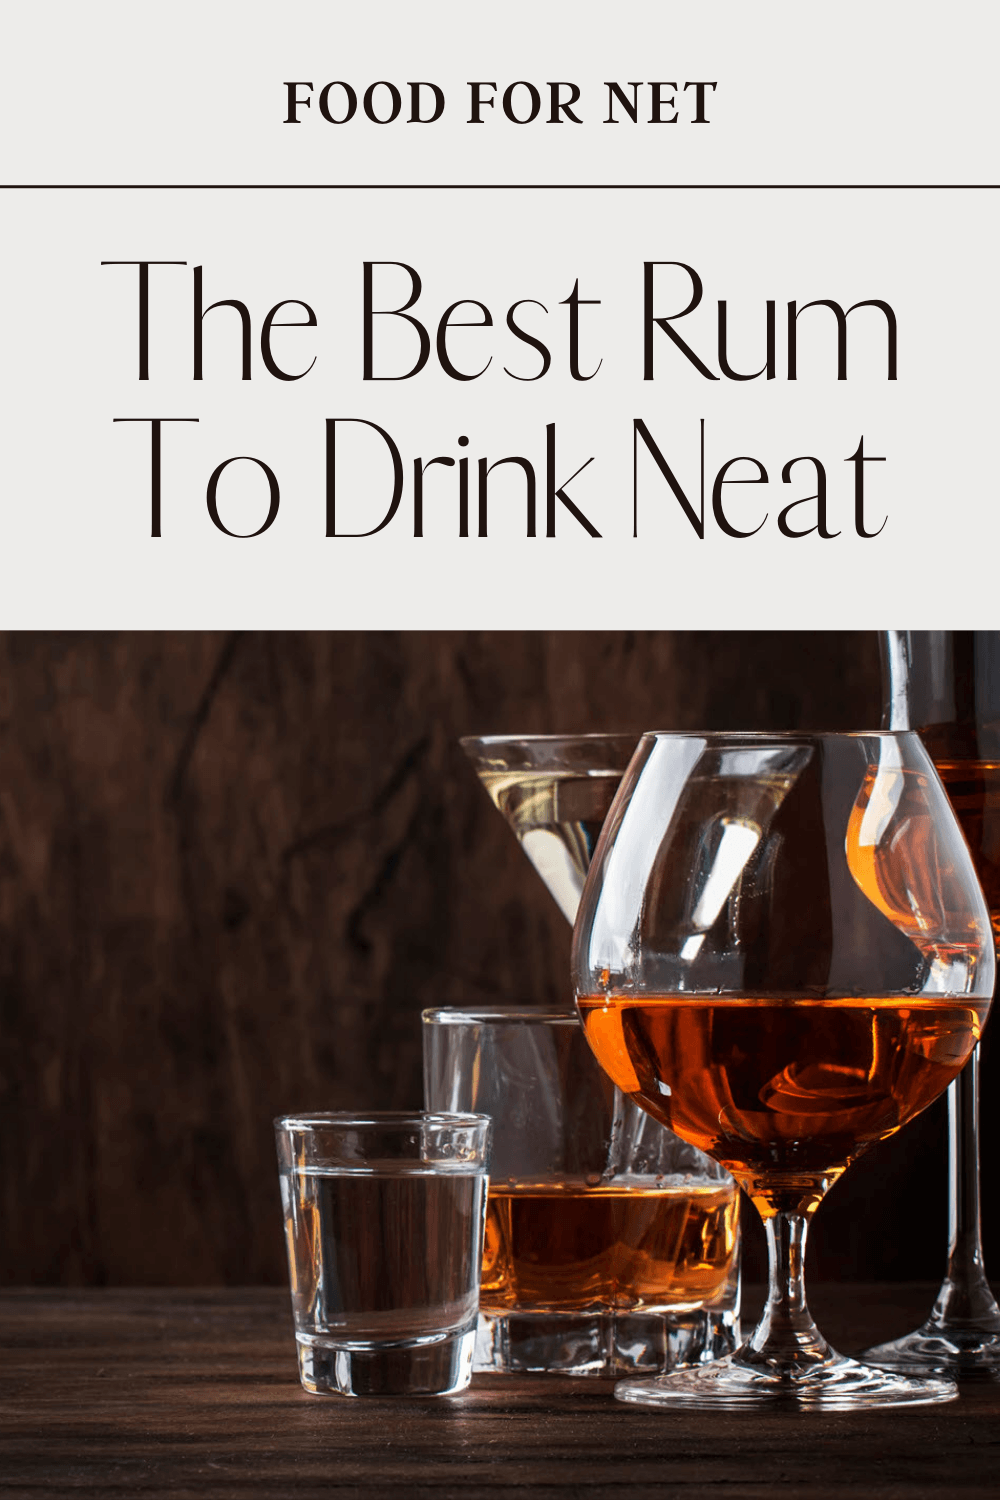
(386, 1253)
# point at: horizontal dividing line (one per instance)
(500, 187)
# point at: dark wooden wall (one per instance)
(233, 869)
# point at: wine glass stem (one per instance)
(786, 1335)
(965, 1297)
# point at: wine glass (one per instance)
(783, 953)
(946, 684)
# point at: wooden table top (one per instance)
(189, 1394)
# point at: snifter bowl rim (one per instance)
(777, 736)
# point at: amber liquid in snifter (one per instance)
(783, 1092)
(572, 1246)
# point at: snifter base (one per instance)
(833, 1384)
(602, 1343)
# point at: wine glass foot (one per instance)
(939, 1351)
(833, 1384)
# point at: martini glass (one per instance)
(783, 953)
(597, 1222)
(554, 790)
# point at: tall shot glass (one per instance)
(384, 1228)
(611, 1245)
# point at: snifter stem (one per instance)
(786, 1338)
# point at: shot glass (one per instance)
(384, 1218)
(612, 1247)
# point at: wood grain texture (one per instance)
(195, 1394)
(234, 869)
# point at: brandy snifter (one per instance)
(783, 953)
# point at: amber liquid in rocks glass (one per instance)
(570, 1246)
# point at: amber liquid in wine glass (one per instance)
(973, 788)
